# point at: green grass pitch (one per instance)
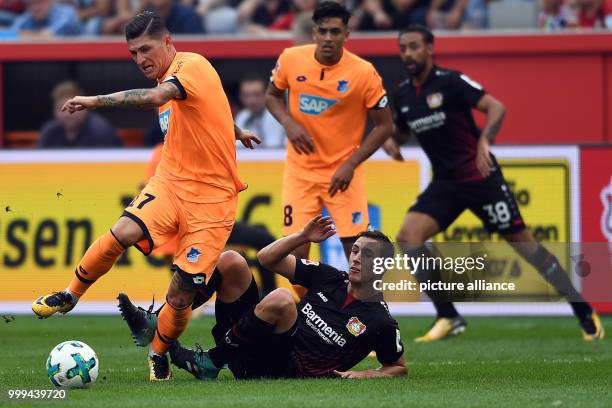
(499, 361)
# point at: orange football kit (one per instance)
(194, 190)
(331, 103)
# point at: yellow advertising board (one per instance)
(54, 204)
(52, 210)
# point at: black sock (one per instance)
(206, 290)
(550, 268)
(228, 314)
(440, 299)
(249, 330)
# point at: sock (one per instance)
(228, 314)
(98, 260)
(205, 290)
(549, 267)
(171, 322)
(439, 299)
(249, 330)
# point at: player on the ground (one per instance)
(331, 93)
(194, 190)
(435, 105)
(339, 321)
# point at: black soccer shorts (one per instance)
(268, 358)
(489, 199)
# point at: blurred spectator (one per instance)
(392, 14)
(285, 22)
(218, 16)
(255, 117)
(592, 13)
(93, 13)
(446, 14)
(9, 10)
(81, 129)
(476, 15)
(125, 10)
(555, 15)
(256, 15)
(302, 29)
(47, 19)
(180, 19)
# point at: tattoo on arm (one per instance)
(140, 98)
(491, 131)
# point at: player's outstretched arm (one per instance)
(495, 111)
(133, 98)
(277, 256)
(383, 129)
(395, 369)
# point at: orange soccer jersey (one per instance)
(199, 155)
(330, 102)
(192, 197)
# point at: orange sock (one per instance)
(171, 323)
(98, 260)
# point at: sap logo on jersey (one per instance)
(315, 105)
(164, 121)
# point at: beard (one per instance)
(416, 71)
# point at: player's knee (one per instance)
(280, 301)
(127, 231)
(409, 236)
(233, 265)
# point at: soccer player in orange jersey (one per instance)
(193, 193)
(331, 93)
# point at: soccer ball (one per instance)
(72, 364)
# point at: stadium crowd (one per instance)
(49, 18)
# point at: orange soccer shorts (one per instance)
(201, 230)
(304, 199)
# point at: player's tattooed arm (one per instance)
(495, 112)
(140, 98)
(495, 116)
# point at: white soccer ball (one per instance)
(72, 364)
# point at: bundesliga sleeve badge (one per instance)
(355, 327)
